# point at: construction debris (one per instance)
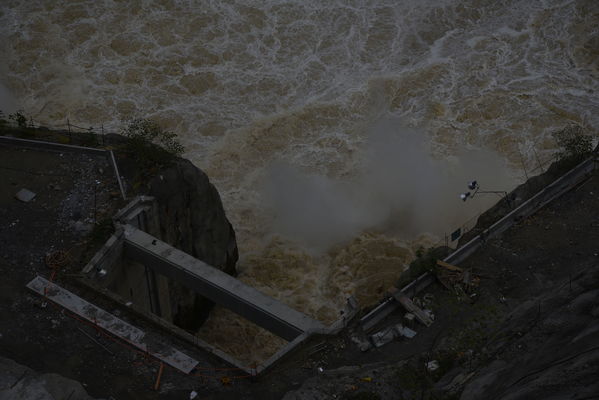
(409, 318)
(432, 366)
(429, 313)
(383, 337)
(412, 308)
(458, 280)
(449, 266)
(388, 334)
(363, 345)
(405, 331)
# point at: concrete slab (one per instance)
(154, 346)
(219, 287)
(86, 310)
(147, 343)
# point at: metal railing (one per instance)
(450, 239)
(68, 128)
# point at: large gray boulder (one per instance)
(193, 220)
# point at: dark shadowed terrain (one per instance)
(530, 332)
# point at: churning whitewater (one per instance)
(339, 133)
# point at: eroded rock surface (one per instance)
(192, 219)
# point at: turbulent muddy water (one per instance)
(339, 133)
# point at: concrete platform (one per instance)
(119, 328)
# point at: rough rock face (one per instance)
(556, 354)
(192, 219)
(18, 382)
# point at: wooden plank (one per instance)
(449, 266)
(388, 306)
(413, 308)
(116, 326)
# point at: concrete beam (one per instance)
(219, 287)
(141, 212)
(116, 326)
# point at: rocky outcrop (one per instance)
(18, 382)
(193, 220)
(554, 354)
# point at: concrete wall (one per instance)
(133, 281)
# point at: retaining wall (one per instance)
(560, 186)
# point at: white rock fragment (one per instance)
(432, 365)
(388, 334)
(405, 331)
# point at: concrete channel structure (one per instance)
(137, 269)
(216, 285)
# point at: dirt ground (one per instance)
(536, 305)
